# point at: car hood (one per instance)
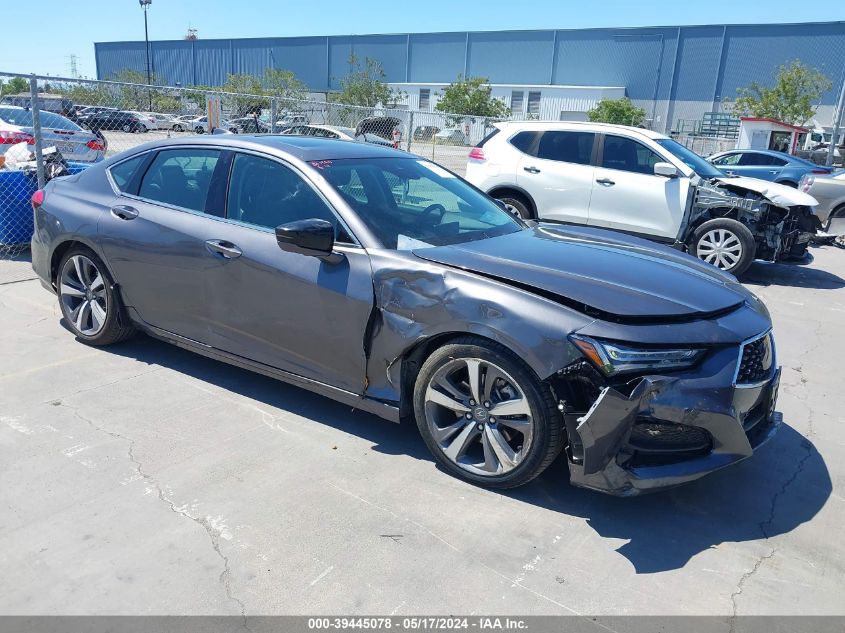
(780, 195)
(602, 274)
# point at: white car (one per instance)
(166, 122)
(336, 132)
(145, 119)
(199, 125)
(641, 182)
(74, 143)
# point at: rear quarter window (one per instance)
(121, 174)
(523, 141)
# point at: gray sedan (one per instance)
(390, 284)
(74, 143)
(830, 192)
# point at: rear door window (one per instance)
(566, 147)
(180, 177)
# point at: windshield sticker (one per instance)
(321, 164)
(405, 243)
(437, 169)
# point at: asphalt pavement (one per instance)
(143, 479)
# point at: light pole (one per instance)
(145, 5)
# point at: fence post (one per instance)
(36, 130)
(274, 113)
(410, 130)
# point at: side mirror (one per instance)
(312, 237)
(665, 169)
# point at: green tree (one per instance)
(621, 111)
(471, 96)
(797, 88)
(248, 100)
(364, 85)
(284, 85)
(15, 85)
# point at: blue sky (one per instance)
(73, 27)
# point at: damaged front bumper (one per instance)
(671, 430)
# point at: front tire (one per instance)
(88, 300)
(485, 415)
(725, 243)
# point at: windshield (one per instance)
(23, 118)
(690, 158)
(409, 203)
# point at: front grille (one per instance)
(756, 361)
(655, 443)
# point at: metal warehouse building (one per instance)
(675, 73)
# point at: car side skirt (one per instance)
(384, 410)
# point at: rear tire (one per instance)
(88, 301)
(514, 430)
(725, 243)
(517, 204)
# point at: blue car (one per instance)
(766, 165)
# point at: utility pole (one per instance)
(145, 4)
(837, 123)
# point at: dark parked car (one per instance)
(112, 120)
(766, 165)
(425, 132)
(388, 283)
(250, 125)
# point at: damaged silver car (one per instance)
(386, 282)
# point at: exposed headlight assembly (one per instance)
(615, 358)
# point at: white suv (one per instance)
(640, 182)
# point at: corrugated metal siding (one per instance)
(662, 67)
(173, 61)
(213, 59)
(436, 57)
(511, 57)
(305, 56)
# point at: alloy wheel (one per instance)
(479, 416)
(82, 291)
(720, 247)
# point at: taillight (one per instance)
(37, 198)
(821, 171)
(476, 153)
(96, 145)
(13, 138)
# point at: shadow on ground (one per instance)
(782, 486)
(801, 274)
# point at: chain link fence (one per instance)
(86, 121)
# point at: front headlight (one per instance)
(615, 358)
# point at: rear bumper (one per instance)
(672, 430)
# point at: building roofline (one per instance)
(765, 119)
(550, 30)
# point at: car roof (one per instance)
(305, 148)
(586, 125)
(768, 152)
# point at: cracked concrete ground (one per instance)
(142, 479)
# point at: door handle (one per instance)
(124, 212)
(606, 181)
(531, 170)
(223, 248)
(773, 171)
(729, 172)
